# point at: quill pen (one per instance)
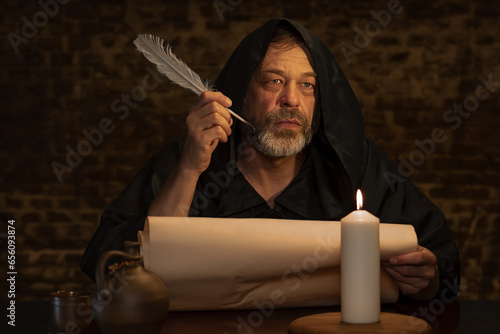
(160, 54)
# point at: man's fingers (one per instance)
(208, 114)
(406, 281)
(407, 271)
(216, 119)
(420, 272)
(408, 289)
(208, 97)
(205, 139)
(422, 256)
(208, 122)
(217, 133)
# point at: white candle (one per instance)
(360, 267)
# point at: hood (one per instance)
(340, 124)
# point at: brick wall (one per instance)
(67, 75)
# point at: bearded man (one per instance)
(304, 157)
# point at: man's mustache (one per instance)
(286, 113)
(273, 117)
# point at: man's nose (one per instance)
(289, 96)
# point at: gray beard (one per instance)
(276, 144)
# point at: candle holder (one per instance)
(326, 323)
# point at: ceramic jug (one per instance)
(130, 299)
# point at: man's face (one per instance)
(280, 101)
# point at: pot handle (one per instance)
(101, 264)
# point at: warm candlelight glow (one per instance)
(359, 200)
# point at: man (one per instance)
(303, 158)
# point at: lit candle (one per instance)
(360, 266)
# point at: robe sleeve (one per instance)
(126, 215)
(392, 197)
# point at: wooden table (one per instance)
(455, 317)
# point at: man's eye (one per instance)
(275, 81)
(307, 85)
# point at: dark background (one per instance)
(74, 70)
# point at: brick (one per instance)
(57, 274)
(175, 10)
(48, 259)
(484, 39)
(91, 217)
(297, 9)
(385, 40)
(72, 259)
(425, 177)
(417, 10)
(41, 203)
(476, 193)
(68, 203)
(398, 57)
(31, 273)
(448, 192)
(42, 290)
(487, 9)
(427, 40)
(33, 217)
(14, 203)
(329, 8)
(55, 217)
(390, 102)
(58, 189)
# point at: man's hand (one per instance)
(415, 273)
(208, 123)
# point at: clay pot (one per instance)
(130, 299)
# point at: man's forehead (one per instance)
(277, 55)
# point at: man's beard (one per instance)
(272, 142)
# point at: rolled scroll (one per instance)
(226, 263)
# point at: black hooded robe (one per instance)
(338, 161)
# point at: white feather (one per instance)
(160, 53)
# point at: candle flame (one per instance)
(359, 200)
